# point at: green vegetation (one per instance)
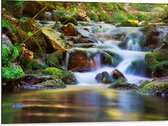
(93, 16)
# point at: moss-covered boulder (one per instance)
(118, 76)
(66, 76)
(157, 62)
(156, 88)
(54, 59)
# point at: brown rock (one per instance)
(69, 30)
(54, 39)
(116, 74)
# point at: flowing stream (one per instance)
(128, 48)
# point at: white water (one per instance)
(132, 52)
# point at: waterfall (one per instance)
(130, 53)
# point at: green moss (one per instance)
(155, 86)
(104, 17)
(12, 72)
(157, 62)
(66, 76)
(54, 59)
(53, 71)
(143, 84)
(93, 16)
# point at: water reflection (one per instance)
(78, 104)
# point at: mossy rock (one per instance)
(155, 87)
(31, 64)
(93, 16)
(54, 83)
(66, 76)
(65, 20)
(157, 62)
(54, 59)
(143, 84)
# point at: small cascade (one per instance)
(132, 52)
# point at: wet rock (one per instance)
(110, 58)
(77, 60)
(138, 67)
(54, 59)
(118, 76)
(157, 62)
(69, 30)
(104, 77)
(154, 37)
(54, 39)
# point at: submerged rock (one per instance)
(124, 86)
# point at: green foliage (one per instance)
(94, 6)
(93, 16)
(8, 25)
(121, 16)
(58, 24)
(12, 72)
(9, 54)
(104, 17)
(29, 34)
(20, 3)
(22, 19)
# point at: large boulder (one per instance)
(118, 76)
(77, 60)
(54, 39)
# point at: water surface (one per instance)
(95, 103)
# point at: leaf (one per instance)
(29, 34)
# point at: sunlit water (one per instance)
(82, 104)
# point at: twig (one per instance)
(38, 13)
